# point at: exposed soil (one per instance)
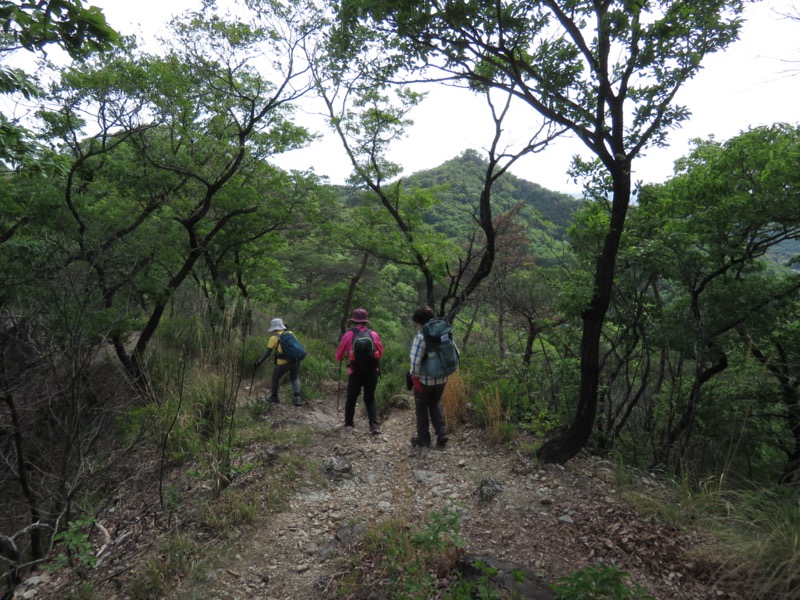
(551, 520)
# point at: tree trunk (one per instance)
(790, 396)
(470, 326)
(37, 550)
(683, 429)
(533, 332)
(501, 331)
(347, 307)
(561, 448)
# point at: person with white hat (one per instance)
(282, 365)
(363, 349)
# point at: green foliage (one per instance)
(77, 548)
(601, 582)
(711, 303)
(154, 231)
(32, 25)
(76, 28)
(411, 556)
(480, 588)
(457, 184)
(318, 367)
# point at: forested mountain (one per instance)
(787, 254)
(458, 182)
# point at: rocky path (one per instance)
(547, 520)
(550, 519)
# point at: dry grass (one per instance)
(496, 417)
(454, 402)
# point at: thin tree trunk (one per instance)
(533, 333)
(682, 430)
(22, 476)
(470, 327)
(501, 331)
(347, 307)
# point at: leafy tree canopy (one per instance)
(32, 25)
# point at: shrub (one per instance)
(77, 548)
(413, 559)
(602, 582)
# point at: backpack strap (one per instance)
(279, 353)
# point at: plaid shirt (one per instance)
(417, 354)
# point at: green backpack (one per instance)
(441, 353)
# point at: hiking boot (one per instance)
(441, 440)
(297, 400)
(374, 429)
(415, 441)
(273, 399)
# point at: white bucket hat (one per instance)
(276, 325)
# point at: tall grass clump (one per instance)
(231, 509)
(527, 391)
(753, 535)
(493, 415)
(758, 541)
(177, 557)
(454, 401)
(195, 368)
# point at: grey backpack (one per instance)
(441, 353)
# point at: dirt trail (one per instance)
(551, 519)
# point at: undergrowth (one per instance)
(404, 560)
(758, 540)
(752, 536)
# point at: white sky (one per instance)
(750, 84)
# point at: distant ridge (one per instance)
(459, 181)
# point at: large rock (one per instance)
(337, 467)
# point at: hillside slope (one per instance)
(549, 520)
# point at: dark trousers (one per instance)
(293, 369)
(357, 381)
(428, 404)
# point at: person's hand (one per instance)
(257, 363)
(418, 387)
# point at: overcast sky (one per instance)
(753, 83)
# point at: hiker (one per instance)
(282, 365)
(363, 349)
(428, 390)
